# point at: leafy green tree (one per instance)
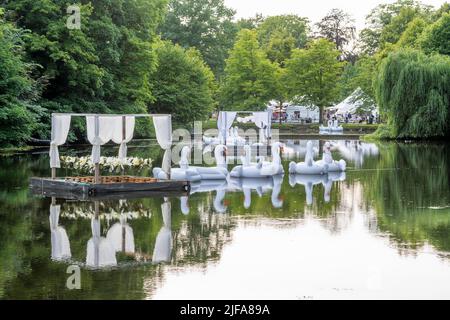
(360, 75)
(445, 8)
(292, 25)
(17, 89)
(206, 25)
(279, 35)
(412, 89)
(250, 23)
(183, 84)
(409, 38)
(392, 32)
(436, 38)
(381, 16)
(280, 47)
(251, 80)
(313, 74)
(338, 27)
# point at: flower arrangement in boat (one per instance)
(112, 164)
(80, 213)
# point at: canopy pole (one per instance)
(97, 177)
(169, 170)
(52, 137)
(124, 134)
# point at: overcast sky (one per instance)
(312, 9)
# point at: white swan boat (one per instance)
(327, 160)
(309, 166)
(333, 126)
(188, 173)
(261, 169)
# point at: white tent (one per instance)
(302, 112)
(351, 104)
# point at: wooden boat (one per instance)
(110, 187)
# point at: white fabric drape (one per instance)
(225, 121)
(163, 129)
(60, 131)
(99, 131)
(163, 245)
(118, 136)
(59, 238)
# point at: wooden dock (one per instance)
(82, 188)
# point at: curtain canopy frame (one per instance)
(269, 120)
(97, 115)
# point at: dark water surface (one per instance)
(382, 230)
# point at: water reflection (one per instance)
(163, 246)
(100, 250)
(59, 238)
(261, 186)
(309, 181)
(356, 151)
(353, 235)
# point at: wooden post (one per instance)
(53, 173)
(97, 177)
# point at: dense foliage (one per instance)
(203, 24)
(17, 89)
(436, 38)
(414, 90)
(250, 77)
(183, 84)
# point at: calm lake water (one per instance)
(382, 230)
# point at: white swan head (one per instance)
(184, 157)
(220, 152)
(309, 148)
(185, 152)
(327, 147)
(277, 148)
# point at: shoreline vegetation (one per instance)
(191, 58)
